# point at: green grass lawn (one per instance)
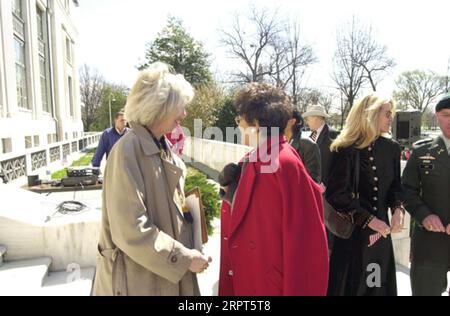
(83, 161)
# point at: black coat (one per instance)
(324, 141)
(310, 154)
(426, 179)
(379, 189)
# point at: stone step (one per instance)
(23, 277)
(2, 254)
(63, 283)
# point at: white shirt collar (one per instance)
(319, 130)
(125, 129)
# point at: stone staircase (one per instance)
(32, 278)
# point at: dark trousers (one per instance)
(330, 238)
(428, 280)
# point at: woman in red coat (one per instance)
(273, 234)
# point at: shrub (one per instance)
(210, 196)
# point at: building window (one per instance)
(49, 139)
(66, 136)
(75, 135)
(68, 50)
(70, 87)
(17, 7)
(28, 142)
(6, 145)
(19, 49)
(67, 5)
(36, 141)
(43, 59)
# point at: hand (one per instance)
(380, 227)
(448, 229)
(397, 221)
(433, 224)
(199, 262)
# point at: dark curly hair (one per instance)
(270, 106)
(299, 123)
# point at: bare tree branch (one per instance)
(269, 49)
(359, 61)
(92, 87)
(418, 89)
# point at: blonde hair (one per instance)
(361, 127)
(157, 93)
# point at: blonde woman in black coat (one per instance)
(364, 264)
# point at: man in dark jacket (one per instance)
(307, 150)
(109, 138)
(427, 185)
(322, 135)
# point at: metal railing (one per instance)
(16, 165)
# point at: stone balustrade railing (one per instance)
(16, 165)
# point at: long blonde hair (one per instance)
(361, 127)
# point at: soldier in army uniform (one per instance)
(427, 185)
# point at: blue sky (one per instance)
(113, 33)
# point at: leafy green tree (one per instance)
(226, 114)
(177, 48)
(204, 107)
(118, 95)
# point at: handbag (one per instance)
(338, 223)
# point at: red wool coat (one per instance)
(273, 237)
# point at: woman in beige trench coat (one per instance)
(146, 240)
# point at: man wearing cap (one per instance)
(426, 179)
(322, 135)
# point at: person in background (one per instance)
(273, 238)
(322, 134)
(146, 243)
(177, 138)
(109, 138)
(407, 154)
(354, 260)
(426, 179)
(307, 150)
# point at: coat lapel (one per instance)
(439, 151)
(323, 135)
(173, 175)
(244, 191)
(148, 145)
(243, 196)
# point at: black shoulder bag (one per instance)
(338, 223)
